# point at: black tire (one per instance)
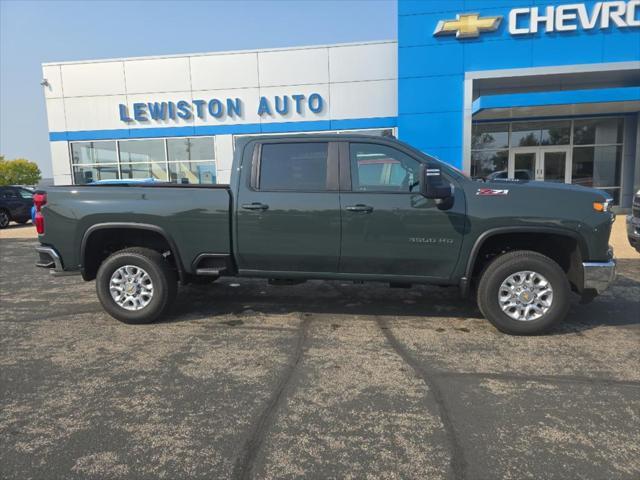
(163, 278)
(5, 218)
(508, 264)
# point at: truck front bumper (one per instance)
(599, 275)
(50, 259)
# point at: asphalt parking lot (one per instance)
(320, 380)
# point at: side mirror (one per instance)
(433, 184)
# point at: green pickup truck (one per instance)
(335, 207)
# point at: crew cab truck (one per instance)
(332, 206)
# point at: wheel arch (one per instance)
(85, 244)
(574, 274)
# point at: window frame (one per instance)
(331, 182)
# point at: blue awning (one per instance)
(559, 97)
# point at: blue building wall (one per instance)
(431, 69)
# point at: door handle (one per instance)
(360, 208)
(255, 206)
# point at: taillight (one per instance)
(39, 200)
(39, 220)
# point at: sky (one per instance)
(34, 32)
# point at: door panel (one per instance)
(298, 232)
(289, 230)
(395, 231)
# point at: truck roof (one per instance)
(318, 136)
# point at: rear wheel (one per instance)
(5, 218)
(136, 285)
(523, 293)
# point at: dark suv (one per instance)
(15, 204)
(633, 223)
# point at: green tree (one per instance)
(18, 172)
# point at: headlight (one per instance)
(604, 206)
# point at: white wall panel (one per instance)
(93, 113)
(224, 71)
(364, 99)
(363, 62)
(294, 67)
(157, 98)
(86, 79)
(55, 115)
(223, 176)
(157, 75)
(224, 154)
(60, 159)
(54, 79)
(292, 115)
(62, 180)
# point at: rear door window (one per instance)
(293, 167)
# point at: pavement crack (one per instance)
(458, 463)
(246, 460)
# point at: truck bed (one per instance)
(194, 218)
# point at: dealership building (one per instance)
(543, 90)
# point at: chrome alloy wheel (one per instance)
(525, 296)
(131, 287)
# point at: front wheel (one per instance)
(523, 293)
(136, 285)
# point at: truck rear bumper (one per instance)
(50, 259)
(599, 275)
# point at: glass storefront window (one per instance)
(556, 133)
(185, 149)
(532, 134)
(490, 136)
(486, 162)
(192, 172)
(87, 174)
(598, 131)
(525, 134)
(593, 157)
(155, 170)
(597, 166)
(88, 153)
(190, 160)
(132, 151)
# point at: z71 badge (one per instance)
(492, 191)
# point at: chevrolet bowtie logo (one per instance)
(467, 25)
